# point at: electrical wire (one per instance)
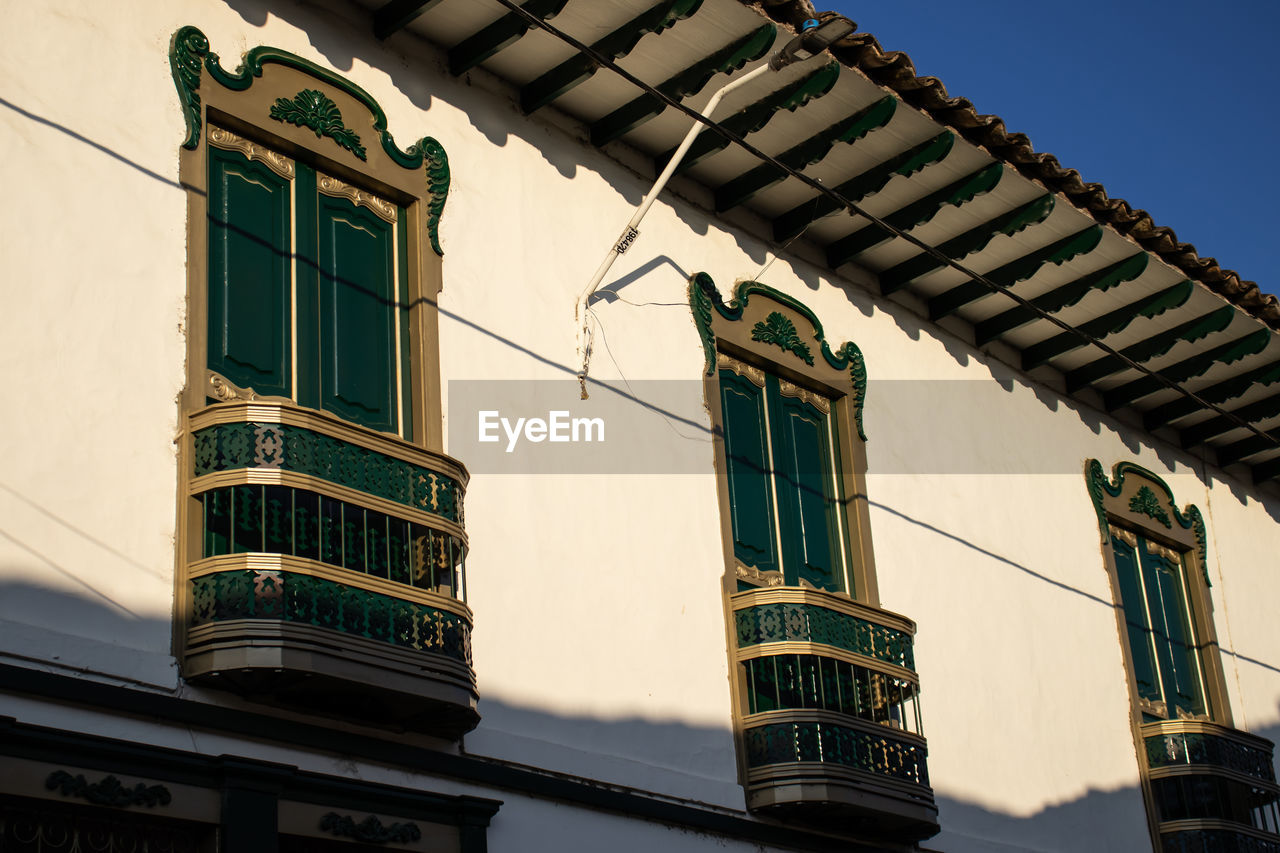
(852, 207)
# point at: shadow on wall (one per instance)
(674, 759)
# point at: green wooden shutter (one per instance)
(1137, 622)
(747, 451)
(357, 340)
(810, 529)
(249, 273)
(1173, 633)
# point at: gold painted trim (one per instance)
(813, 715)
(1174, 771)
(799, 647)
(302, 566)
(753, 374)
(1193, 824)
(330, 186)
(1126, 536)
(222, 388)
(316, 421)
(751, 574)
(275, 161)
(276, 477)
(821, 598)
(790, 389)
(1164, 551)
(1205, 727)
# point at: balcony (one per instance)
(1214, 788)
(325, 569)
(830, 714)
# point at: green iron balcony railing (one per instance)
(326, 568)
(830, 714)
(1213, 788)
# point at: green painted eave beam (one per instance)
(813, 149)
(690, 81)
(1255, 412)
(1187, 369)
(974, 240)
(398, 14)
(579, 68)
(753, 118)
(1246, 447)
(1152, 347)
(904, 163)
(499, 35)
(918, 212)
(1021, 269)
(1151, 305)
(1228, 389)
(1060, 297)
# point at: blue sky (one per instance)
(1171, 106)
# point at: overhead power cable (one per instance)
(852, 207)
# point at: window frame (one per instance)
(802, 357)
(416, 180)
(1136, 502)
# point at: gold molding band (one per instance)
(747, 371)
(303, 566)
(799, 647)
(277, 477)
(813, 715)
(790, 389)
(331, 186)
(274, 160)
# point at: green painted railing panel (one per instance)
(322, 603)
(1173, 749)
(300, 523)
(778, 623)
(829, 743)
(229, 447)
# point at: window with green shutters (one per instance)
(307, 287)
(1160, 627)
(781, 449)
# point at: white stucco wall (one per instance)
(600, 635)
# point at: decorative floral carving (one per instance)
(370, 829)
(108, 791)
(813, 398)
(314, 109)
(1146, 503)
(276, 161)
(777, 329)
(754, 374)
(751, 574)
(335, 187)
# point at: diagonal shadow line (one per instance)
(965, 542)
(76, 530)
(68, 574)
(98, 145)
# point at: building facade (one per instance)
(896, 491)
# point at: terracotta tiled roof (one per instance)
(895, 70)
